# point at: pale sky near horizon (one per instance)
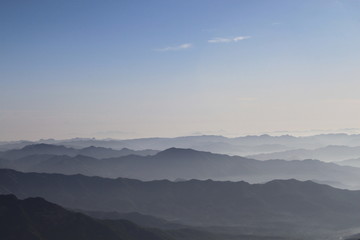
(128, 68)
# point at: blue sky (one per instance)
(124, 69)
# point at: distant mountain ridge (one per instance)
(49, 149)
(246, 145)
(330, 153)
(177, 163)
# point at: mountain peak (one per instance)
(179, 152)
(41, 146)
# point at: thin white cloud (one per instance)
(228, 40)
(240, 38)
(175, 48)
(220, 40)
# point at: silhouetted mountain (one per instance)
(277, 203)
(37, 149)
(353, 237)
(4, 146)
(100, 152)
(217, 144)
(35, 218)
(38, 219)
(184, 232)
(137, 218)
(329, 154)
(177, 163)
(49, 149)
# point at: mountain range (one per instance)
(246, 145)
(50, 149)
(276, 204)
(332, 153)
(38, 219)
(179, 164)
(181, 193)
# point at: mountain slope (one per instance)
(330, 153)
(177, 163)
(196, 202)
(59, 150)
(137, 218)
(37, 219)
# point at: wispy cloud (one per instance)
(228, 40)
(175, 48)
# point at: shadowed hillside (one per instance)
(175, 163)
(196, 202)
(37, 219)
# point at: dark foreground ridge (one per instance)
(38, 219)
(196, 202)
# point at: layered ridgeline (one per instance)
(176, 164)
(279, 204)
(245, 145)
(329, 154)
(38, 219)
(58, 150)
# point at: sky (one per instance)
(131, 68)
